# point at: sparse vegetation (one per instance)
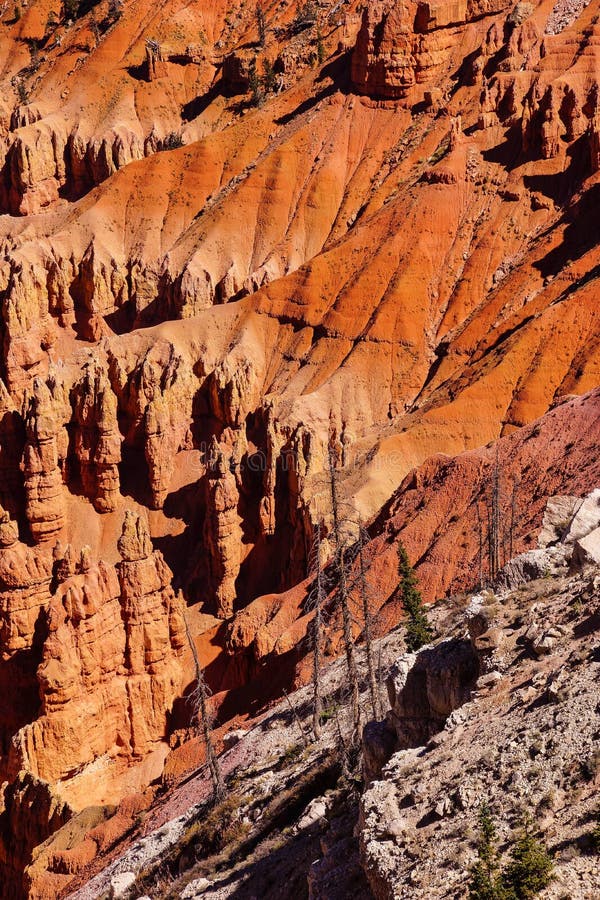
(528, 872)
(306, 16)
(172, 141)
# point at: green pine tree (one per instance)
(530, 868)
(254, 83)
(321, 52)
(418, 629)
(486, 881)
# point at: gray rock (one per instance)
(426, 687)
(121, 885)
(234, 737)
(586, 551)
(533, 564)
(195, 889)
(379, 743)
(585, 519)
(557, 518)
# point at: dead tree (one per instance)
(368, 623)
(480, 533)
(343, 594)
(494, 540)
(296, 718)
(199, 698)
(382, 690)
(317, 601)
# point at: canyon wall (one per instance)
(227, 257)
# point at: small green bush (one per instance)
(172, 141)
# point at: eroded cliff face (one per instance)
(385, 246)
(108, 642)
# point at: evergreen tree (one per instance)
(530, 868)
(254, 84)
(261, 25)
(486, 883)
(269, 81)
(321, 52)
(418, 629)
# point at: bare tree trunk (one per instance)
(480, 530)
(382, 693)
(513, 509)
(296, 718)
(496, 516)
(344, 598)
(199, 697)
(368, 625)
(318, 600)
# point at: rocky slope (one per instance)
(523, 735)
(231, 251)
(502, 707)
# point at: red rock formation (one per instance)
(26, 832)
(45, 509)
(12, 439)
(97, 439)
(222, 534)
(111, 664)
(25, 576)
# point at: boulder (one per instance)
(586, 550)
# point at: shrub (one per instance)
(172, 141)
(115, 11)
(590, 766)
(321, 52)
(21, 89)
(221, 825)
(51, 21)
